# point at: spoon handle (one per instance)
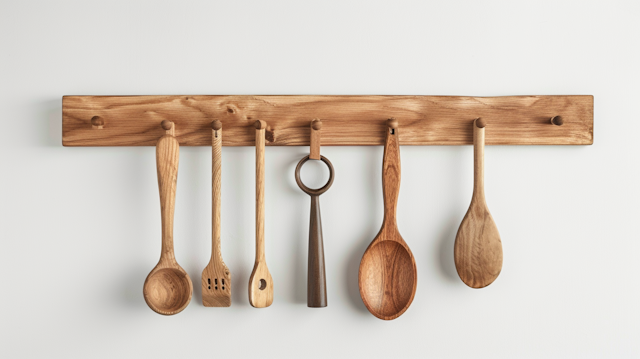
(216, 154)
(167, 156)
(260, 139)
(391, 173)
(316, 277)
(478, 160)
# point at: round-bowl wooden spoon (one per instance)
(478, 249)
(388, 277)
(168, 288)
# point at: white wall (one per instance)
(80, 227)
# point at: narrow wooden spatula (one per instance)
(478, 249)
(216, 278)
(260, 282)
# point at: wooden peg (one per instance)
(260, 125)
(314, 148)
(393, 125)
(97, 122)
(557, 120)
(269, 134)
(169, 127)
(216, 126)
(481, 123)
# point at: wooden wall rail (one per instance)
(347, 120)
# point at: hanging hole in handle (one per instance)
(263, 284)
(310, 191)
(393, 124)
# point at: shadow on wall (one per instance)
(51, 134)
(446, 241)
(130, 288)
(135, 176)
(240, 235)
(449, 229)
(374, 201)
(198, 229)
(301, 246)
(447, 233)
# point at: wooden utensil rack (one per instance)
(346, 120)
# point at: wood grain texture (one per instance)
(216, 277)
(260, 282)
(347, 120)
(478, 248)
(388, 276)
(168, 288)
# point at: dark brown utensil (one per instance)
(388, 277)
(316, 278)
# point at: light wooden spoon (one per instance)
(216, 278)
(168, 288)
(260, 282)
(478, 249)
(388, 277)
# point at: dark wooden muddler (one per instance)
(316, 277)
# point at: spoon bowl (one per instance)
(167, 290)
(387, 272)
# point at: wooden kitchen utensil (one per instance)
(316, 277)
(168, 288)
(260, 282)
(388, 277)
(216, 278)
(478, 249)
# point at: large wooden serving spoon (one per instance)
(260, 282)
(168, 288)
(216, 278)
(388, 277)
(478, 249)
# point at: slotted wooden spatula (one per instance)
(216, 278)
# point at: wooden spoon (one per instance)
(478, 249)
(388, 275)
(260, 282)
(216, 278)
(168, 288)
